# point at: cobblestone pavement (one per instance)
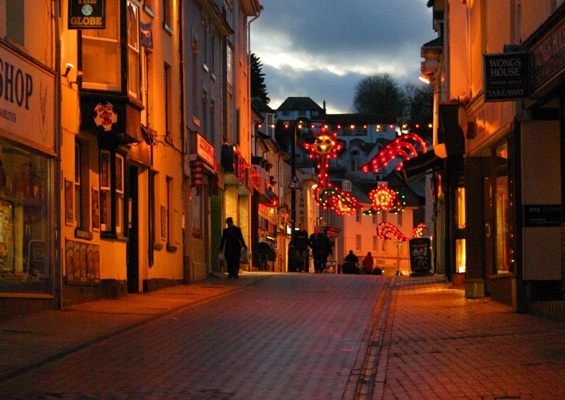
(439, 345)
(287, 336)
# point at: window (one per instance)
(111, 193)
(119, 193)
(105, 200)
(375, 218)
(168, 16)
(358, 215)
(101, 53)
(229, 66)
(133, 50)
(78, 189)
(26, 231)
(353, 166)
(204, 121)
(212, 122)
(168, 99)
(375, 243)
(195, 83)
(81, 188)
(357, 242)
(399, 218)
(170, 223)
(15, 22)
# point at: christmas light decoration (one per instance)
(418, 231)
(387, 231)
(386, 199)
(403, 146)
(327, 195)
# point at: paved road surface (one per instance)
(287, 337)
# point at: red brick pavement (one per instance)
(425, 341)
(439, 345)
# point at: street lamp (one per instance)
(299, 123)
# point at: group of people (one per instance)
(232, 244)
(319, 243)
(351, 264)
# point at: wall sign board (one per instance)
(87, 14)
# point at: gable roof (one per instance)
(299, 104)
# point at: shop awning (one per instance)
(422, 165)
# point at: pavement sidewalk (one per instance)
(31, 340)
(437, 344)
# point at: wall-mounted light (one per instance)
(426, 78)
(68, 69)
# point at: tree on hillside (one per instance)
(419, 110)
(258, 87)
(379, 94)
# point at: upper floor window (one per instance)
(134, 57)
(15, 20)
(168, 15)
(101, 60)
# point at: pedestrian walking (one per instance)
(264, 250)
(231, 245)
(368, 263)
(300, 238)
(321, 249)
(350, 263)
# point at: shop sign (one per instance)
(506, 76)
(26, 100)
(420, 254)
(87, 14)
(104, 116)
(205, 150)
(542, 215)
(548, 56)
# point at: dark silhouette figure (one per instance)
(231, 244)
(321, 249)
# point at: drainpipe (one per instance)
(188, 273)
(58, 267)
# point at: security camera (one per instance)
(68, 69)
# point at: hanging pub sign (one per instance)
(87, 14)
(506, 76)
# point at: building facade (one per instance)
(113, 126)
(505, 208)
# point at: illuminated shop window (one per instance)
(25, 223)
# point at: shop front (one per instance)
(542, 149)
(203, 187)
(27, 149)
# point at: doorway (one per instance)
(133, 231)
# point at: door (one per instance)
(489, 227)
(133, 231)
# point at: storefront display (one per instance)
(24, 265)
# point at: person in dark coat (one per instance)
(264, 251)
(321, 249)
(300, 239)
(350, 265)
(231, 244)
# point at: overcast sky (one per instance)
(322, 48)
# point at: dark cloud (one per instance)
(322, 48)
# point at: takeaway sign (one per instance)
(506, 76)
(87, 14)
